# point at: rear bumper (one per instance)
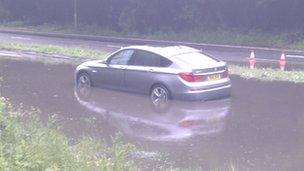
(205, 94)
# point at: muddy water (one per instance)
(261, 127)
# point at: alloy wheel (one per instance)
(159, 96)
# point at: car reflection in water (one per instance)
(137, 117)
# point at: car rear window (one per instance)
(195, 58)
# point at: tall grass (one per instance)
(26, 144)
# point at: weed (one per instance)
(26, 144)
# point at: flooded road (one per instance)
(261, 127)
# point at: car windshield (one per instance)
(195, 58)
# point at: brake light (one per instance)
(188, 76)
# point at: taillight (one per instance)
(188, 76)
(225, 74)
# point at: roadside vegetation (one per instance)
(264, 74)
(267, 74)
(54, 50)
(26, 144)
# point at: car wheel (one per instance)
(84, 84)
(159, 97)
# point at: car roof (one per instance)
(166, 51)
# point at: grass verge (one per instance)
(264, 74)
(54, 50)
(25, 144)
(267, 74)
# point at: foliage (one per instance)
(25, 144)
(146, 16)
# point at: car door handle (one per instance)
(123, 67)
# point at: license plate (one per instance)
(214, 77)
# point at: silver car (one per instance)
(173, 72)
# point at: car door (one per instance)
(142, 71)
(113, 75)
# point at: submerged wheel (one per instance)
(84, 84)
(159, 96)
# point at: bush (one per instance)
(26, 144)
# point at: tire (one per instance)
(159, 97)
(84, 84)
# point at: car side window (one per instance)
(143, 58)
(121, 58)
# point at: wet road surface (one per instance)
(261, 127)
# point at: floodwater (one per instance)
(261, 127)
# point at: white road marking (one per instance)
(295, 56)
(21, 38)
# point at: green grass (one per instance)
(54, 50)
(26, 144)
(267, 74)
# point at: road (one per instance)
(224, 52)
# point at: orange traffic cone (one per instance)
(252, 60)
(282, 61)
